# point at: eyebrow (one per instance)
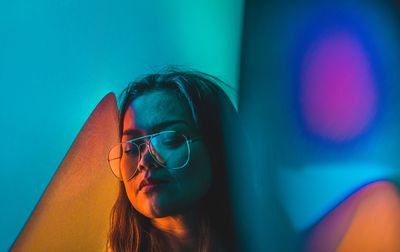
(132, 132)
(155, 128)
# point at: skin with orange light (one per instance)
(171, 206)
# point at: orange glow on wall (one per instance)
(73, 213)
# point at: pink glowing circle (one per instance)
(338, 95)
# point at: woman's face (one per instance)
(168, 192)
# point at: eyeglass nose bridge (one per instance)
(147, 146)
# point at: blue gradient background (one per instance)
(59, 58)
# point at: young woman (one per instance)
(173, 166)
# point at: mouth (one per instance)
(148, 184)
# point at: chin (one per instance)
(157, 208)
(162, 204)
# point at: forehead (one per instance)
(154, 108)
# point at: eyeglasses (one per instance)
(169, 149)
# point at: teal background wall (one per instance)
(59, 58)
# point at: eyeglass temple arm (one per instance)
(147, 136)
(194, 139)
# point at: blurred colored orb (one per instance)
(338, 96)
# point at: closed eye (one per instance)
(172, 142)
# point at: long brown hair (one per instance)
(211, 109)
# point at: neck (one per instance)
(182, 231)
(180, 225)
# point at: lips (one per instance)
(152, 182)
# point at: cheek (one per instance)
(130, 188)
(198, 175)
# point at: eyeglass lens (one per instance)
(169, 149)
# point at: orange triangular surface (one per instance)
(73, 213)
(369, 220)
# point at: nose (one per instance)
(146, 159)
